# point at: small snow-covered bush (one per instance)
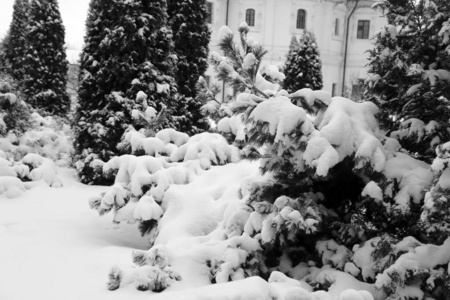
(14, 113)
(49, 137)
(34, 155)
(153, 272)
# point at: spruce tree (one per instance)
(303, 66)
(3, 61)
(191, 37)
(14, 45)
(410, 71)
(128, 50)
(45, 63)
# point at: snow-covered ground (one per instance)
(52, 246)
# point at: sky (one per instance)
(73, 13)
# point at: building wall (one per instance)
(275, 24)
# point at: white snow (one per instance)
(172, 136)
(63, 250)
(249, 61)
(414, 177)
(373, 191)
(224, 31)
(281, 115)
(320, 155)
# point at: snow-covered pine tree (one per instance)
(45, 63)
(317, 205)
(410, 73)
(188, 22)
(15, 43)
(126, 64)
(303, 67)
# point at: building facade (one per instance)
(343, 30)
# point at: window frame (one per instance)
(210, 7)
(337, 27)
(250, 17)
(301, 20)
(363, 30)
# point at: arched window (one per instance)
(250, 17)
(301, 19)
(336, 27)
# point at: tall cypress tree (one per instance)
(191, 37)
(128, 49)
(15, 43)
(303, 66)
(45, 63)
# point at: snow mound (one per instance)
(42, 168)
(210, 148)
(414, 177)
(11, 187)
(170, 135)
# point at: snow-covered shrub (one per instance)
(140, 182)
(419, 273)
(435, 215)
(318, 192)
(15, 176)
(153, 272)
(49, 137)
(35, 154)
(13, 111)
(241, 259)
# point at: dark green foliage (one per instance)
(15, 44)
(410, 67)
(145, 227)
(127, 49)
(45, 63)
(191, 37)
(303, 66)
(17, 117)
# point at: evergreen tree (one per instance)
(3, 61)
(126, 66)
(191, 38)
(14, 45)
(410, 67)
(45, 63)
(303, 66)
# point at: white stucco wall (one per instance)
(275, 23)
